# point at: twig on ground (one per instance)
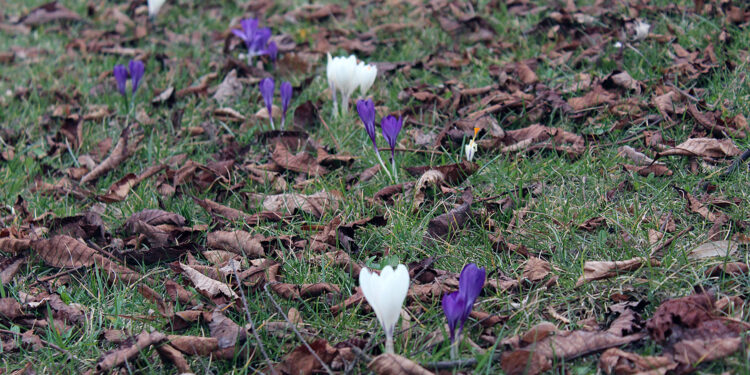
(657, 250)
(294, 328)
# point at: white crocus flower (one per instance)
(386, 293)
(154, 6)
(345, 75)
(641, 30)
(471, 148)
(365, 76)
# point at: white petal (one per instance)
(366, 77)
(368, 281)
(154, 6)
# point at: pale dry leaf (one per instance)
(206, 285)
(713, 249)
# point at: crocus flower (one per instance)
(386, 293)
(454, 307)
(366, 111)
(267, 87)
(345, 75)
(256, 39)
(154, 6)
(457, 305)
(286, 97)
(136, 73)
(470, 283)
(121, 76)
(390, 127)
(471, 148)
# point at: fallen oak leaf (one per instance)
(238, 242)
(120, 189)
(619, 362)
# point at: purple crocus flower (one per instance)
(391, 127)
(256, 39)
(286, 97)
(455, 313)
(137, 69)
(121, 76)
(366, 111)
(267, 87)
(457, 305)
(470, 284)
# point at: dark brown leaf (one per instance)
(49, 12)
(394, 364)
(447, 224)
(128, 350)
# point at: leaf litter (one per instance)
(250, 189)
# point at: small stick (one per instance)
(669, 241)
(412, 150)
(51, 345)
(252, 325)
(450, 365)
(296, 332)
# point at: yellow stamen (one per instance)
(476, 131)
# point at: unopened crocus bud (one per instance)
(137, 69)
(286, 97)
(267, 87)
(121, 76)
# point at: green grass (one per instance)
(573, 189)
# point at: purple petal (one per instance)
(390, 128)
(260, 40)
(272, 50)
(470, 284)
(366, 111)
(267, 87)
(240, 34)
(249, 25)
(137, 69)
(453, 307)
(286, 96)
(121, 76)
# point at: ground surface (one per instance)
(572, 102)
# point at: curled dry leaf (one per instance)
(596, 270)
(297, 291)
(49, 12)
(226, 331)
(453, 174)
(9, 267)
(446, 225)
(10, 308)
(238, 242)
(731, 268)
(128, 350)
(206, 285)
(619, 362)
(302, 162)
(14, 245)
(169, 354)
(194, 345)
(704, 147)
(685, 312)
(123, 149)
(229, 88)
(394, 364)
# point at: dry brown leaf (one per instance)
(238, 242)
(704, 147)
(536, 269)
(64, 252)
(9, 267)
(14, 245)
(301, 361)
(169, 353)
(446, 225)
(595, 270)
(713, 249)
(194, 345)
(128, 350)
(123, 149)
(49, 12)
(315, 204)
(619, 362)
(301, 162)
(206, 285)
(230, 88)
(10, 308)
(394, 364)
